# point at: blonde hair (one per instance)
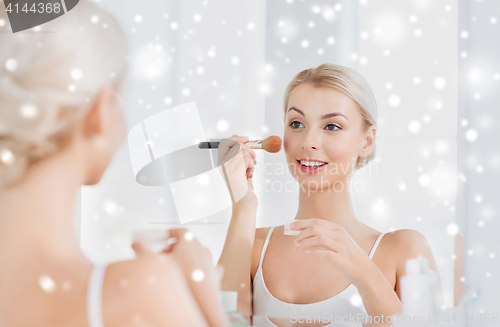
(50, 78)
(346, 80)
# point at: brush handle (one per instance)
(208, 145)
(257, 144)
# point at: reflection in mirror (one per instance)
(417, 131)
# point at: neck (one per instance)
(36, 213)
(331, 204)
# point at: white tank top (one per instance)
(346, 303)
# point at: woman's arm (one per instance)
(377, 293)
(236, 257)
(150, 290)
(413, 245)
(331, 241)
(200, 273)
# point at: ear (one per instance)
(94, 122)
(368, 142)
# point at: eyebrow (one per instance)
(333, 114)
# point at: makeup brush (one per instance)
(271, 144)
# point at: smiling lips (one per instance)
(311, 162)
(311, 165)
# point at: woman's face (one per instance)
(323, 126)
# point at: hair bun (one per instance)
(40, 97)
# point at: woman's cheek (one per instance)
(286, 148)
(286, 143)
(339, 152)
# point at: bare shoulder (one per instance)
(260, 238)
(409, 244)
(409, 235)
(149, 290)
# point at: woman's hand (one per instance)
(239, 161)
(330, 240)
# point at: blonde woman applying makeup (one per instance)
(330, 120)
(61, 121)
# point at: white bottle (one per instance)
(230, 303)
(417, 295)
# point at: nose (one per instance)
(311, 141)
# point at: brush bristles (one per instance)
(272, 144)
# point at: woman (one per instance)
(60, 124)
(330, 127)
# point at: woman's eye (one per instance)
(332, 127)
(295, 124)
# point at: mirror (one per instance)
(234, 61)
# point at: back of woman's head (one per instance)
(49, 78)
(346, 80)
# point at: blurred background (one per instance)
(479, 156)
(235, 58)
